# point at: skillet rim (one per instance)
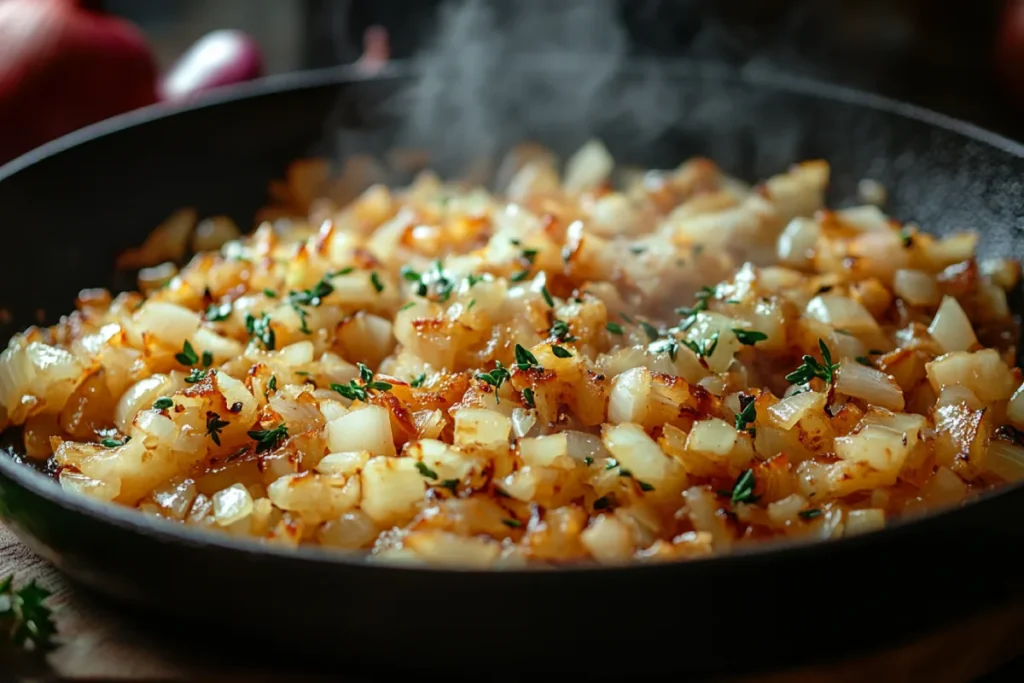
(126, 519)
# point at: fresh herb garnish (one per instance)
(24, 616)
(702, 295)
(627, 318)
(811, 368)
(114, 443)
(196, 376)
(426, 471)
(528, 398)
(747, 414)
(375, 281)
(864, 360)
(512, 523)
(547, 296)
(749, 337)
(650, 330)
(810, 514)
(705, 347)
(520, 276)
(530, 255)
(614, 328)
(214, 426)
(272, 384)
(560, 331)
(495, 377)
(906, 237)
(743, 489)
(560, 351)
(218, 312)
(163, 403)
(524, 359)
(450, 484)
(354, 392)
(644, 486)
(187, 356)
(269, 439)
(407, 306)
(269, 293)
(669, 346)
(260, 330)
(588, 461)
(418, 382)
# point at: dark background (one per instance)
(935, 53)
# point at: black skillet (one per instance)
(67, 208)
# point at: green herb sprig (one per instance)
(811, 367)
(24, 616)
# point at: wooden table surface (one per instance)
(101, 644)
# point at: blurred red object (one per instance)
(1010, 49)
(65, 64)
(217, 59)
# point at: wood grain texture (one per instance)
(99, 643)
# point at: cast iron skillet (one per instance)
(67, 208)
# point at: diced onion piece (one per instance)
(1015, 409)
(951, 328)
(368, 429)
(983, 372)
(545, 451)
(523, 421)
(588, 167)
(863, 521)
(882, 448)
(140, 396)
(231, 505)
(1006, 460)
(635, 451)
(787, 510)
(869, 384)
(168, 323)
(346, 464)
(715, 438)
(608, 540)
(789, 411)
(483, 429)
(628, 399)
(391, 488)
(842, 312)
(796, 243)
(916, 287)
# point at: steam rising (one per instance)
(499, 73)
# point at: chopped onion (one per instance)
(392, 488)
(588, 167)
(170, 324)
(869, 384)
(863, 521)
(628, 399)
(882, 448)
(231, 505)
(1006, 460)
(483, 429)
(916, 287)
(789, 411)
(1015, 409)
(368, 429)
(951, 327)
(983, 372)
(842, 312)
(545, 451)
(796, 243)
